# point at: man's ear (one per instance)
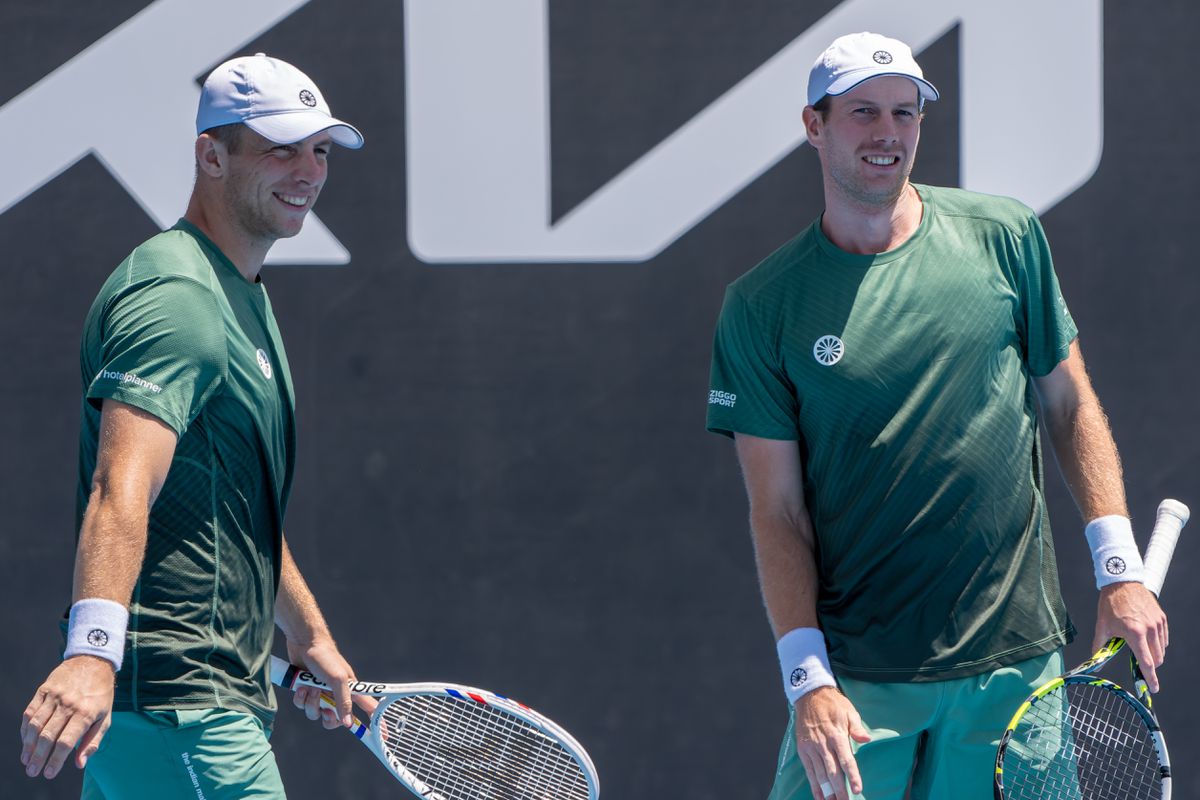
(812, 125)
(211, 156)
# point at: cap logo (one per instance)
(310, 100)
(882, 57)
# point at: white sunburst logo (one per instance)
(828, 350)
(264, 363)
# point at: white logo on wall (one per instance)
(67, 115)
(828, 350)
(264, 363)
(482, 193)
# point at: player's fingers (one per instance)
(308, 700)
(847, 764)
(343, 701)
(44, 741)
(89, 743)
(366, 703)
(32, 720)
(1145, 656)
(329, 719)
(76, 727)
(833, 771)
(1155, 642)
(810, 769)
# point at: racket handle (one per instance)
(1172, 516)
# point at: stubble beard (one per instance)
(249, 213)
(865, 196)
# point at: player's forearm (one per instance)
(787, 570)
(1087, 456)
(112, 544)
(296, 611)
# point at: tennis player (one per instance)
(883, 374)
(186, 462)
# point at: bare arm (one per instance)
(1087, 456)
(787, 570)
(73, 706)
(311, 644)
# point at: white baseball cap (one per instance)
(273, 99)
(858, 57)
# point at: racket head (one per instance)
(451, 742)
(1082, 738)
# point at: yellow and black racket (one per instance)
(1081, 737)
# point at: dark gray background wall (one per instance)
(503, 474)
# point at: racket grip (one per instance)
(1172, 516)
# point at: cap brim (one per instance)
(293, 126)
(848, 81)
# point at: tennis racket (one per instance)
(447, 742)
(1080, 737)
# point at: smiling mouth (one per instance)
(882, 161)
(293, 200)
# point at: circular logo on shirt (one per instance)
(308, 98)
(97, 638)
(828, 350)
(264, 363)
(882, 57)
(799, 676)
(1114, 566)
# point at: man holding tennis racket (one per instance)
(186, 462)
(882, 375)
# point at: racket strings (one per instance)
(464, 750)
(1082, 742)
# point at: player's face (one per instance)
(868, 140)
(270, 187)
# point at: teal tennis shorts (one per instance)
(941, 736)
(189, 754)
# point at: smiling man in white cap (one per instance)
(878, 374)
(186, 463)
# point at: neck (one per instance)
(868, 230)
(246, 253)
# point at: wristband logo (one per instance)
(799, 677)
(97, 638)
(1115, 566)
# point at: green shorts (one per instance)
(941, 736)
(189, 754)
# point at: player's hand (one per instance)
(73, 707)
(825, 723)
(1131, 611)
(325, 661)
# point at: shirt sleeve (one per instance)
(1046, 323)
(160, 350)
(749, 391)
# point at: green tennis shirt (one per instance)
(178, 332)
(905, 378)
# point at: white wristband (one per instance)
(97, 628)
(804, 661)
(1115, 554)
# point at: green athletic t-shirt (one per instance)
(905, 377)
(178, 332)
